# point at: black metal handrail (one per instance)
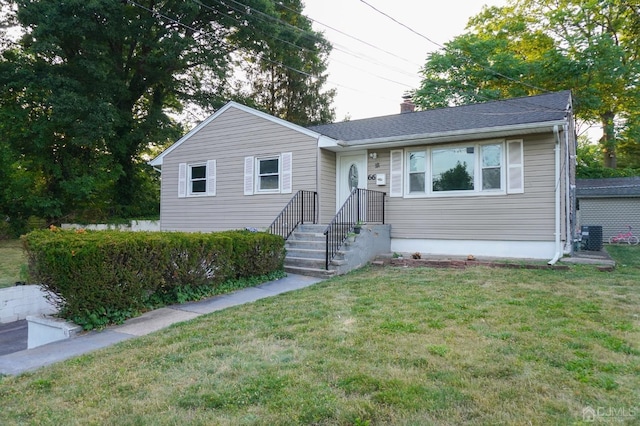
(302, 208)
(362, 206)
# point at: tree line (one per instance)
(93, 89)
(530, 47)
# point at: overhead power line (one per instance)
(440, 46)
(177, 22)
(246, 10)
(366, 43)
(488, 69)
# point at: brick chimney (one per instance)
(407, 105)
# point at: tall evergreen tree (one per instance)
(287, 77)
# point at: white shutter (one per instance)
(287, 167)
(395, 177)
(515, 167)
(182, 180)
(248, 175)
(211, 177)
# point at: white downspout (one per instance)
(558, 242)
(567, 193)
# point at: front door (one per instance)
(352, 173)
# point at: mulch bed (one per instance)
(462, 264)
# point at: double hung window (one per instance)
(269, 174)
(491, 167)
(268, 177)
(417, 171)
(197, 179)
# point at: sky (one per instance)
(370, 81)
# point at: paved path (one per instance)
(13, 337)
(31, 359)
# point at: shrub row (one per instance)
(101, 277)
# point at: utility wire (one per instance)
(305, 32)
(366, 43)
(459, 54)
(158, 15)
(246, 10)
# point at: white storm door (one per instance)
(352, 173)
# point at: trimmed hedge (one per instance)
(101, 277)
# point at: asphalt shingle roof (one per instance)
(516, 111)
(609, 187)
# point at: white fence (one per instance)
(135, 225)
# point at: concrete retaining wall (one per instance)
(373, 241)
(43, 330)
(18, 302)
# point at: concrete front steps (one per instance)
(306, 250)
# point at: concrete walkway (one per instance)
(32, 359)
(13, 337)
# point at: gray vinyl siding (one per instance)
(615, 215)
(228, 139)
(379, 165)
(327, 189)
(515, 217)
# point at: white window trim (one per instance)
(258, 190)
(477, 191)
(427, 173)
(503, 168)
(190, 180)
(185, 179)
(252, 177)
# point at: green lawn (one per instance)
(12, 262)
(378, 346)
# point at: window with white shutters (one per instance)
(196, 180)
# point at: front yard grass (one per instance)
(378, 346)
(13, 262)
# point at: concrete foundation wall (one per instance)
(373, 241)
(16, 303)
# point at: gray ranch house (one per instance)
(489, 179)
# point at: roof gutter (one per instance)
(558, 243)
(453, 136)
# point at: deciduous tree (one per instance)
(93, 85)
(531, 46)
